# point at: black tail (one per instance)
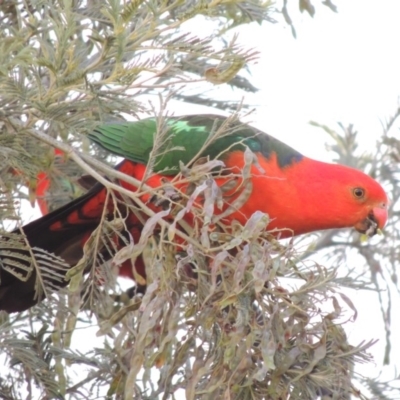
(25, 269)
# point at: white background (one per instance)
(342, 67)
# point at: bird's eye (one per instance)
(359, 193)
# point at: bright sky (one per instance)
(342, 67)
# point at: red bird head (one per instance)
(310, 195)
(345, 197)
(366, 201)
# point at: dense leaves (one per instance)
(224, 316)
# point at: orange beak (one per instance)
(374, 222)
(381, 215)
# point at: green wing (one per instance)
(185, 138)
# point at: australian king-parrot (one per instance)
(299, 195)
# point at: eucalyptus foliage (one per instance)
(212, 323)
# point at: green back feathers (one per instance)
(183, 138)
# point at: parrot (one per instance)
(59, 173)
(60, 176)
(253, 172)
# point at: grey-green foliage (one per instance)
(65, 66)
(229, 330)
(378, 260)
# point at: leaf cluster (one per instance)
(218, 318)
(377, 266)
(67, 66)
